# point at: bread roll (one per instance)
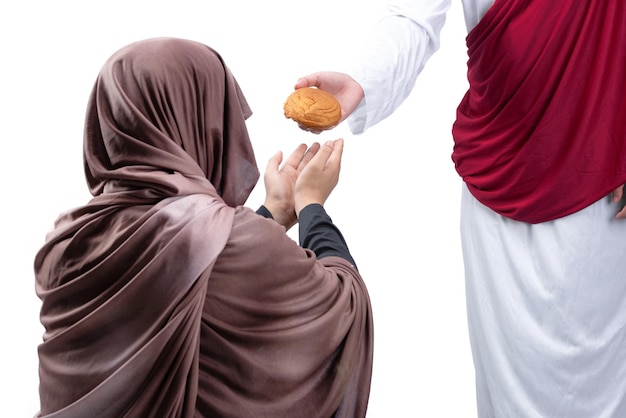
(313, 108)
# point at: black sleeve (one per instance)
(262, 210)
(318, 233)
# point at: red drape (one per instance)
(541, 132)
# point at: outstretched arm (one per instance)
(301, 187)
(315, 183)
(384, 68)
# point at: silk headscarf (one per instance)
(541, 132)
(167, 157)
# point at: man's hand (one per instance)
(348, 92)
(617, 196)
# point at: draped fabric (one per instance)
(135, 324)
(541, 132)
(297, 330)
(546, 312)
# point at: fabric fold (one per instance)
(539, 134)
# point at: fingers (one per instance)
(306, 128)
(311, 80)
(308, 156)
(274, 162)
(298, 159)
(296, 156)
(618, 193)
(329, 155)
(302, 156)
(335, 156)
(322, 156)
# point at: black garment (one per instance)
(318, 233)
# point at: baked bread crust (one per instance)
(313, 108)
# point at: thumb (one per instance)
(311, 80)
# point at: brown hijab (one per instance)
(132, 328)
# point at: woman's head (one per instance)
(165, 116)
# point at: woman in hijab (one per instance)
(164, 296)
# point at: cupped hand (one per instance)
(348, 92)
(280, 183)
(320, 176)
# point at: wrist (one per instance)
(282, 215)
(304, 203)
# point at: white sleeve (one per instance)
(388, 64)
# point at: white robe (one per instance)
(546, 303)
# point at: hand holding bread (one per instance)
(313, 108)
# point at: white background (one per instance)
(397, 202)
